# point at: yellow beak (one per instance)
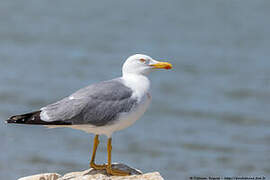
(161, 65)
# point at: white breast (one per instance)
(127, 119)
(140, 86)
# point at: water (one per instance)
(209, 115)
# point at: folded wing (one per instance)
(98, 104)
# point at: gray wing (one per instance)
(98, 104)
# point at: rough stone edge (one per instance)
(45, 176)
(81, 175)
(135, 174)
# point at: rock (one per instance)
(92, 174)
(46, 176)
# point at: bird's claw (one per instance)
(116, 172)
(98, 167)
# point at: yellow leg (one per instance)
(92, 162)
(114, 172)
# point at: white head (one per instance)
(142, 65)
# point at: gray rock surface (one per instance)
(92, 174)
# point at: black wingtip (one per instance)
(24, 118)
(11, 120)
(33, 118)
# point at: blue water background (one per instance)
(209, 115)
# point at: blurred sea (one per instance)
(209, 115)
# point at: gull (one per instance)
(102, 108)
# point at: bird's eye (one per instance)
(143, 60)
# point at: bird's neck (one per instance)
(140, 84)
